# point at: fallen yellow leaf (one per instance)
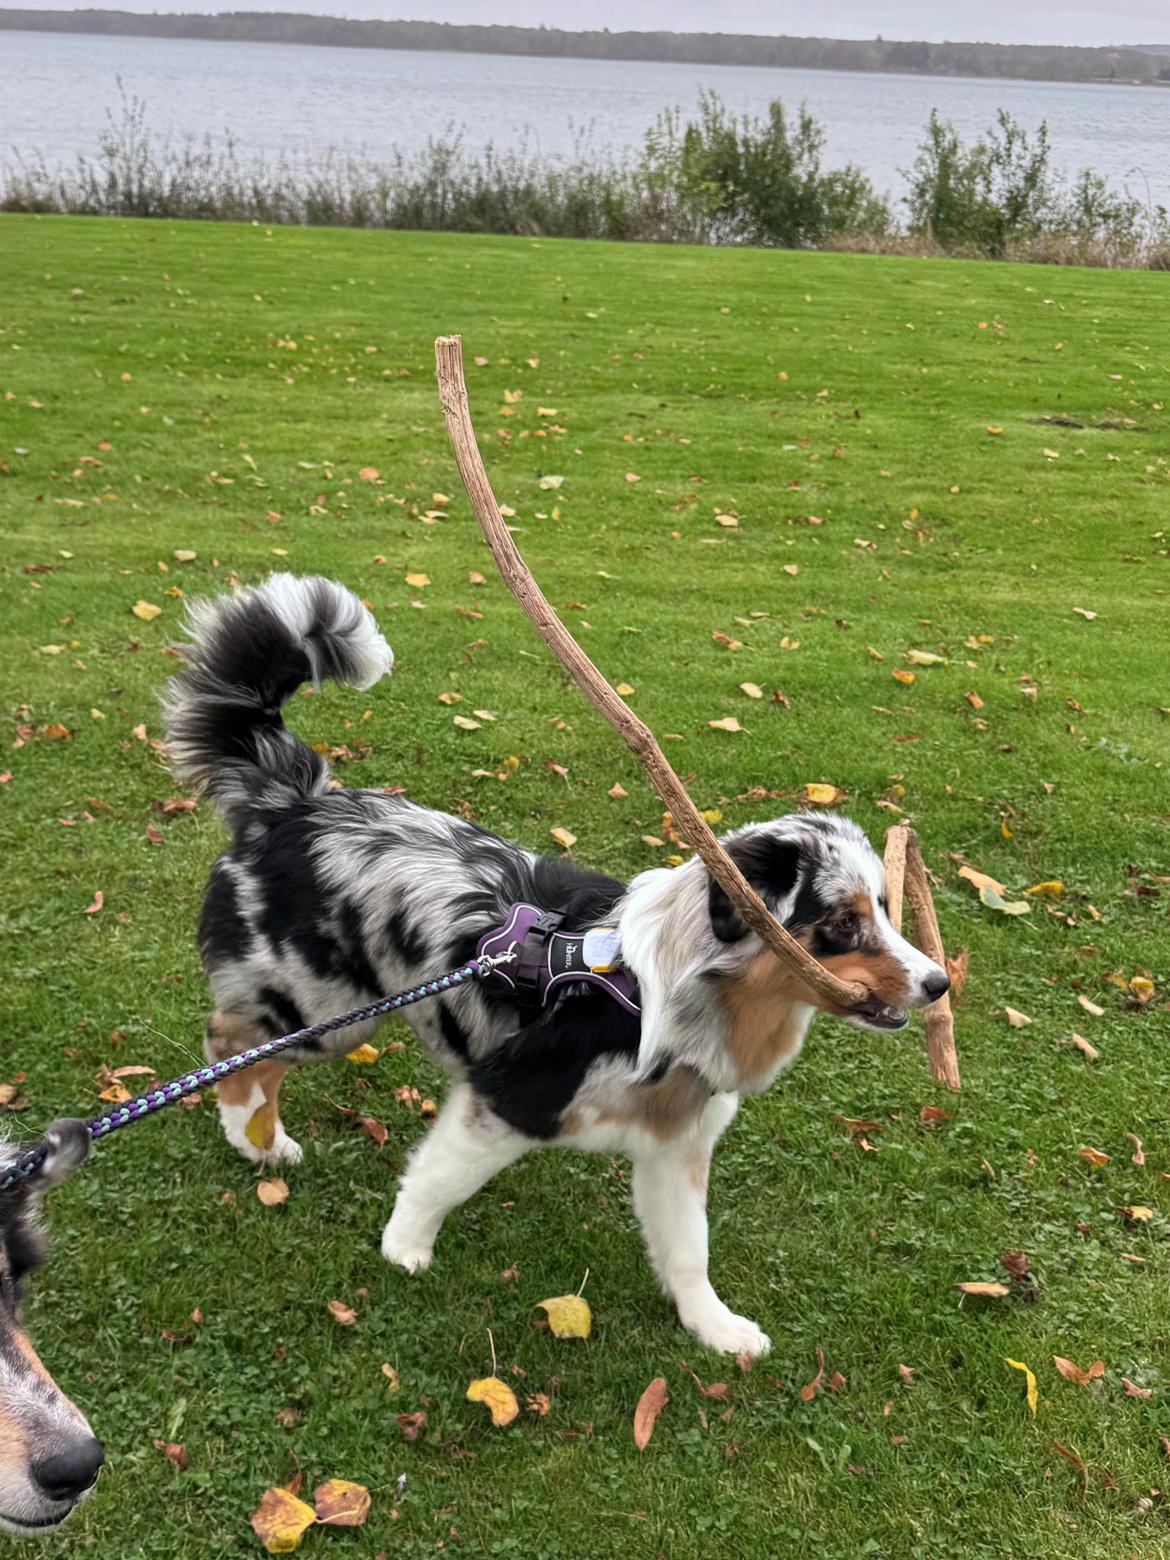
(272, 1193)
(979, 1287)
(903, 676)
(753, 690)
(1049, 890)
(624, 689)
(418, 580)
(146, 610)
(569, 1316)
(1030, 1381)
(261, 1128)
(822, 795)
(365, 1054)
(728, 723)
(1095, 1157)
(564, 838)
(498, 1396)
(1136, 1213)
(279, 1521)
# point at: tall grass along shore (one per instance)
(712, 178)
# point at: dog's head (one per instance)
(49, 1459)
(823, 880)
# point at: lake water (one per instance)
(295, 101)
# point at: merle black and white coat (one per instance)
(328, 898)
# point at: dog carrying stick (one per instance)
(906, 877)
(636, 735)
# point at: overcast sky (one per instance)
(1000, 21)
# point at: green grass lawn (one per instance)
(227, 390)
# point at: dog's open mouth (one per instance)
(876, 1014)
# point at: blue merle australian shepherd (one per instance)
(49, 1459)
(328, 898)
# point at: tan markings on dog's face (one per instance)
(878, 972)
(763, 1030)
(863, 904)
(14, 1447)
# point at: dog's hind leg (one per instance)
(670, 1198)
(461, 1153)
(250, 1096)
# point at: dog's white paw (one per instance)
(730, 1334)
(411, 1255)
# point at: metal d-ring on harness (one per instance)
(167, 1093)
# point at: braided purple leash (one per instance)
(167, 1093)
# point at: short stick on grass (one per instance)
(637, 736)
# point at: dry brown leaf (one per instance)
(981, 880)
(650, 1405)
(931, 1116)
(1073, 1372)
(1090, 1007)
(1095, 1156)
(1015, 1018)
(176, 1453)
(1139, 1154)
(728, 723)
(1136, 1213)
(978, 1287)
(342, 1313)
(272, 1193)
(717, 1389)
(907, 1374)
(957, 966)
(411, 1425)
(338, 1503)
(753, 690)
(1079, 1043)
(96, 904)
(1132, 1390)
(618, 791)
(809, 1390)
(1015, 1262)
(538, 1403)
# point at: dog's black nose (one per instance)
(66, 1474)
(936, 985)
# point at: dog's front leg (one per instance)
(461, 1153)
(670, 1198)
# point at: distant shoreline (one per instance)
(1011, 62)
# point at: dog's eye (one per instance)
(845, 925)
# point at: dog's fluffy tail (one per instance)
(249, 653)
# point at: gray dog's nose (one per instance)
(66, 1474)
(935, 985)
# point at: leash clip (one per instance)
(490, 961)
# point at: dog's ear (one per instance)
(770, 866)
(68, 1143)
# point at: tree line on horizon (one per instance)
(1035, 62)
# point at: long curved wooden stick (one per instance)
(636, 735)
(906, 875)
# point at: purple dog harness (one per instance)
(546, 960)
